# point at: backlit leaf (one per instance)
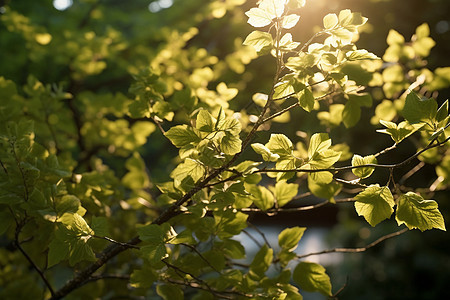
(330, 21)
(259, 40)
(289, 238)
(306, 99)
(290, 21)
(358, 160)
(258, 17)
(181, 135)
(261, 262)
(416, 212)
(284, 192)
(266, 154)
(280, 144)
(375, 204)
(419, 110)
(312, 278)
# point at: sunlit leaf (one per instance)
(416, 212)
(375, 204)
(365, 172)
(312, 278)
(290, 237)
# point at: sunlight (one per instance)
(62, 4)
(159, 5)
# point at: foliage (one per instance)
(76, 187)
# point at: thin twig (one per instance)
(411, 172)
(199, 281)
(386, 150)
(30, 260)
(108, 276)
(158, 123)
(116, 242)
(201, 256)
(252, 238)
(217, 293)
(356, 250)
(295, 209)
(260, 233)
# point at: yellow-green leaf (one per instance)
(416, 212)
(375, 204)
(358, 160)
(312, 278)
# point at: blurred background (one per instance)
(136, 34)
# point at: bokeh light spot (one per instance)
(62, 4)
(159, 5)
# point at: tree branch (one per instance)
(337, 169)
(356, 250)
(274, 211)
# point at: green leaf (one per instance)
(232, 248)
(143, 278)
(258, 17)
(351, 114)
(261, 197)
(6, 220)
(320, 177)
(401, 131)
(442, 112)
(394, 38)
(151, 233)
(324, 159)
(306, 99)
(259, 40)
(170, 292)
(280, 144)
(286, 163)
(324, 190)
(77, 224)
(265, 152)
(67, 204)
(318, 143)
(312, 278)
(375, 203)
(81, 251)
(419, 110)
(415, 212)
(261, 262)
(330, 21)
(360, 55)
(358, 160)
(289, 238)
(181, 135)
(285, 192)
(58, 251)
(154, 252)
(100, 226)
(283, 89)
(205, 122)
(189, 167)
(229, 223)
(230, 144)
